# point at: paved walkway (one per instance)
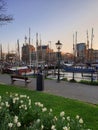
(86, 93)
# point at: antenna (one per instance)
(25, 39)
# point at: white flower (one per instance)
(15, 120)
(50, 110)
(65, 128)
(38, 121)
(17, 98)
(16, 117)
(81, 120)
(2, 103)
(53, 127)
(42, 127)
(77, 117)
(62, 113)
(19, 107)
(21, 101)
(10, 125)
(16, 95)
(63, 118)
(39, 104)
(28, 97)
(44, 109)
(7, 105)
(18, 124)
(10, 96)
(25, 108)
(29, 102)
(68, 118)
(55, 118)
(14, 100)
(23, 96)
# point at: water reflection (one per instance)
(77, 76)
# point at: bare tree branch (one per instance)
(3, 17)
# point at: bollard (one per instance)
(40, 82)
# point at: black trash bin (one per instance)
(40, 82)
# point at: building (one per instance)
(28, 53)
(81, 52)
(95, 56)
(45, 53)
(11, 57)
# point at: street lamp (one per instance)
(58, 46)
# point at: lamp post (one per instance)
(58, 46)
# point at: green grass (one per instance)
(88, 112)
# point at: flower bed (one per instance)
(18, 113)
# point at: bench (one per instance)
(20, 78)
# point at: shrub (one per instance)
(89, 82)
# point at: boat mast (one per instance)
(73, 49)
(36, 50)
(18, 50)
(92, 36)
(75, 46)
(0, 51)
(29, 47)
(41, 49)
(87, 47)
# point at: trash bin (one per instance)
(40, 82)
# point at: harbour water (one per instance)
(77, 76)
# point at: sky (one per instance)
(53, 20)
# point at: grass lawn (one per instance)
(88, 112)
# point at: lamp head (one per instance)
(58, 45)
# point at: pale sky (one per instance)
(53, 19)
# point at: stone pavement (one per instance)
(86, 93)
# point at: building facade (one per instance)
(27, 53)
(81, 52)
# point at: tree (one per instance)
(4, 18)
